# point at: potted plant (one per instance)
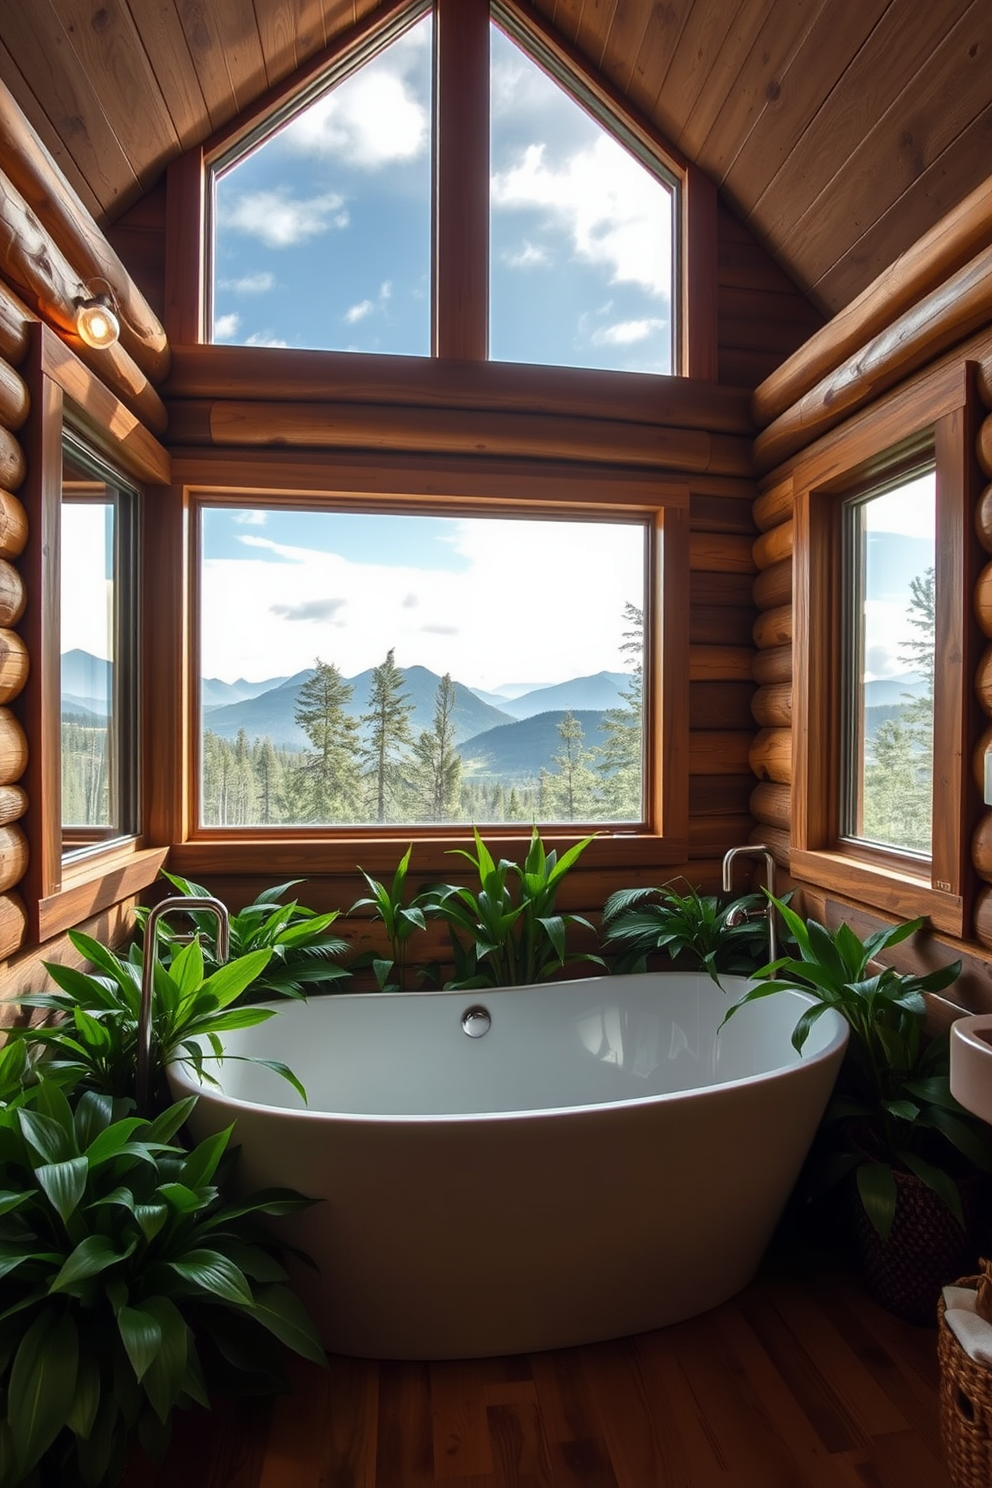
(400, 920)
(696, 928)
(125, 1281)
(907, 1154)
(300, 943)
(507, 932)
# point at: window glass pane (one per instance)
(891, 580)
(98, 735)
(581, 232)
(363, 667)
(322, 233)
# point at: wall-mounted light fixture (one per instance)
(96, 320)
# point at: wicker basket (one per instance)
(966, 1396)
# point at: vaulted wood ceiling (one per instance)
(839, 130)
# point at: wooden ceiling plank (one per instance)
(897, 49)
(623, 40)
(837, 35)
(653, 56)
(594, 27)
(109, 50)
(962, 167)
(758, 83)
(698, 48)
(722, 81)
(564, 17)
(168, 54)
(207, 51)
(291, 31)
(238, 30)
(40, 47)
(54, 143)
(933, 109)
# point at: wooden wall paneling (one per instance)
(13, 665)
(814, 723)
(164, 42)
(761, 314)
(37, 38)
(721, 553)
(13, 930)
(13, 748)
(774, 505)
(720, 705)
(14, 401)
(138, 239)
(718, 625)
(185, 235)
(719, 663)
(167, 695)
(983, 519)
(699, 325)
(461, 220)
(12, 463)
(13, 855)
(771, 803)
(985, 445)
(13, 804)
(15, 322)
(773, 546)
(772, 666)
(773, 628)
(950, 313)
(233, 29)
(773, 586)
(697, 113)
(68, 223)
(770, 755)
(772, 705)
(24, 973)
(31, 108)
(778, 842)
(669, 674)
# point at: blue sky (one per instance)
(899, 539)
(322, 235)
(492, 600)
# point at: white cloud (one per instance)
(250, 519)
(279, 221)
(264, 338)
(226, 327)
(530, 256)
(250, 283)
(359, 311)
(628, 332)
(371, 120)
(614, 211)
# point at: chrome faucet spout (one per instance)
(187, 905)
(758, 850)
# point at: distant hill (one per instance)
(216, 694)
(88, 678)
(521, 749)
(273, 712)
(91, 710)
(893, 689)
(598, 692)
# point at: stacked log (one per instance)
(770, 755)
(14, 661)
(981, 845)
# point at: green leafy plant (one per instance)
(400, 921)
(301, 947)
(122, 1273)
(514, 936)
(892, 1109)
(707, 935)
(95, 1040)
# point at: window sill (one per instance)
(97, 882)
(880, 886)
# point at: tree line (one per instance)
(375, 769)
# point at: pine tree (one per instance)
(572, 786)
(436, 774)
(388, 734)
(325, 785)
(621, 754)
(268, 775)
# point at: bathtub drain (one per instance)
(476, 1021)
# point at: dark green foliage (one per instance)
(400, 922)
(892, 1108)
(512, 934)
(118, 1258)
(299, 941)
(708, 935)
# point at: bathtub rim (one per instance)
(179, 1072)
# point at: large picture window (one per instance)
(384, 667)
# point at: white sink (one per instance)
(971, 1063)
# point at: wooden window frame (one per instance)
(427, 482)
(460, 248)
(939, 411)
(59, 894)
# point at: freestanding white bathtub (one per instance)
(599, 1162)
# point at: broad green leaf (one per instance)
(186, 969)
(45, 1136)
(114, 1140)
(877, 1187)
(86, 1400)
(166, 1374)
(201, 1164)
(93, 1115)
(63, 1184)
(230, 980)
(281, 1311)
(180, 1198)
(214, 1274)
(941, 1183)
(164, 1127)
(42, 1385)
(141, 1336)
(965, 1138)
(91, 1256)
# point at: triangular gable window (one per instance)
(580, 230)
(322, 227)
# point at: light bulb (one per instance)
(96, 322)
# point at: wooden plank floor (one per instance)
(799, 1382)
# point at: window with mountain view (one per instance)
(387, 667)
(889, 578)
(98, 657)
